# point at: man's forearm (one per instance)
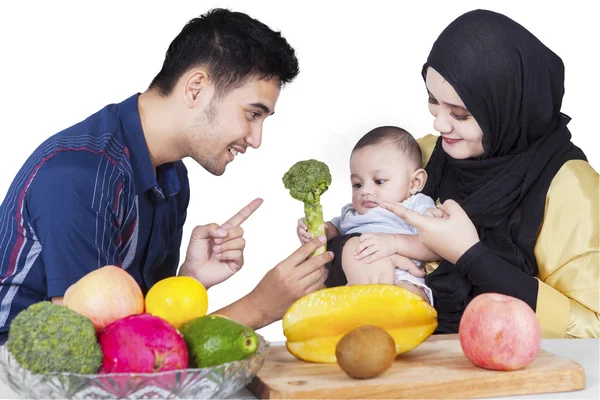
(245, 311)
(410, 246)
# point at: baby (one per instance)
(385, 165)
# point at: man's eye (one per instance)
(252, 115)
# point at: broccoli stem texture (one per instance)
(313, 216)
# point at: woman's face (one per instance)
(460, 132)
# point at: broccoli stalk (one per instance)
(313, 216)
(307, 181)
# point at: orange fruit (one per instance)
(177, 300)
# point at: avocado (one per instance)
(213, 340)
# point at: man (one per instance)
(112, 189)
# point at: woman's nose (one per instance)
(441, 123)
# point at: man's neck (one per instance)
(162, 128)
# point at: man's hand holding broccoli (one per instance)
(307, 181)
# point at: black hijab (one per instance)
(513, 86)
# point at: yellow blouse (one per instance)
(567, 251)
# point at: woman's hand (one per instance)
(449, 234)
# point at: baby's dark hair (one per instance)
(403, 140)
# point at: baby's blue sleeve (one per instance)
(420, 204)
(423, 203)
(335, 221)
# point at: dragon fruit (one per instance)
(142, 343)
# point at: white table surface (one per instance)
(585, 352)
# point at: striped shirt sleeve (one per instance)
(74, 203)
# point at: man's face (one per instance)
(228, 125)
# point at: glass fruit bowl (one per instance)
(200, 383)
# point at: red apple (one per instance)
(499, 332)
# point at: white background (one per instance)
(360, 67)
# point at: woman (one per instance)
(519, 211)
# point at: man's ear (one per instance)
(196, 85)
(417, 181)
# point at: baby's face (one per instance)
(379, 172)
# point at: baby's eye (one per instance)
(356, 185)
(433, 101)
(380, 181)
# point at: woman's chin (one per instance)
(458, 152)
(453, 151)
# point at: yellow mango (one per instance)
(315, 323)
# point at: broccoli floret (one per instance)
(47, 337)
(307, 181)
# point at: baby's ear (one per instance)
(418, 180)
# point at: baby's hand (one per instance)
(302, 231)
(374, 246)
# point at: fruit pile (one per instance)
(106, 325)
(364, 327)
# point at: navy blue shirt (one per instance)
(88, 197)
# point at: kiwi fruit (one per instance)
(365, 352)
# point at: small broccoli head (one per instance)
(47, 337)
(307, 180)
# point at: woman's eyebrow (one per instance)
(457, 106)
(463, 108)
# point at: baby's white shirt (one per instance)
(381, 220)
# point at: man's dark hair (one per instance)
(399, 137)
(232, 46)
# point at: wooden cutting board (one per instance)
(435, 369)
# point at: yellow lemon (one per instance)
(177, 300)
